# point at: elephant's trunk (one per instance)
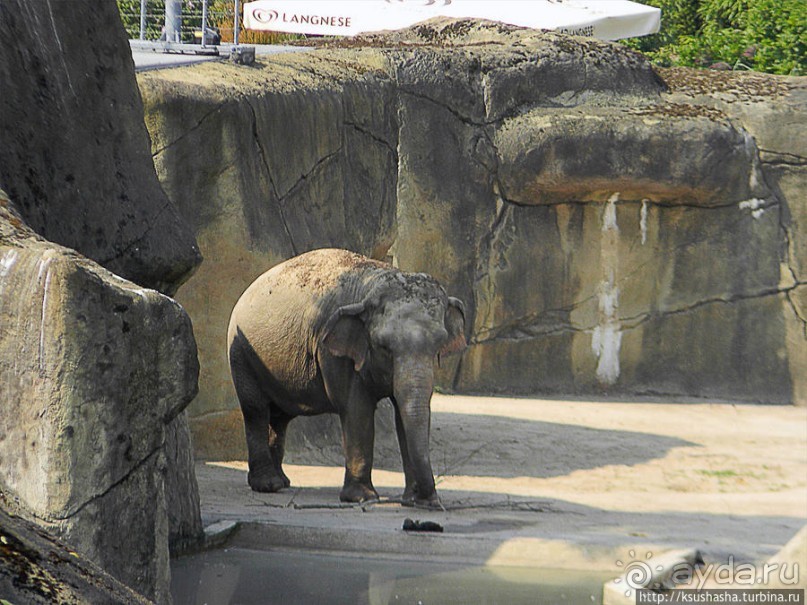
(413, 382)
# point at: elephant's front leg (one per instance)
(358, 434)
(408, 496)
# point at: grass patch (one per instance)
(721, 474)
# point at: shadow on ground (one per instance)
(487, 446)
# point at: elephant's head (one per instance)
(394, 336)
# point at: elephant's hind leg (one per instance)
(264, 475)
(278, 422)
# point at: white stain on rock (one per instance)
(755, 205)
(7, 262)
(43, 285)
(606, 339)
(609, 216)
(643, 220)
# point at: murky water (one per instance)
(243, 577)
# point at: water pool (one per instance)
(244, 577)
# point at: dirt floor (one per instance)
(550, 483)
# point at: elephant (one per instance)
(331, 331)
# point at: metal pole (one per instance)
(173, 20)
(204, 23)
(236, 29)
(142, 19)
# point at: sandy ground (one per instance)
(567, 484)
(718, 459)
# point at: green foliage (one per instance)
(130, 16)
(778, 30)
(764, 35)
(724, 13)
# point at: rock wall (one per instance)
(612, 232)
(75, 159)
(95, 370)
(267, 163)
(771, 110)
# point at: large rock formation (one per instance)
(95, 371)
(611, 231)
(75, 154)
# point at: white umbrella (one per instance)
(604, 19)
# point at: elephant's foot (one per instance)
(358, 492)
(430, 503)
(277, 467)
(267, 483)
(410, 498)
(283, 478)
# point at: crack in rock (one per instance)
(262, 153)
(780, 158)
(464, 119)
(190, 130)
(150, 221)
(371, 135)
(94, 498)
(303, 178)
(797, 310)
(534, 327)
(545, 323)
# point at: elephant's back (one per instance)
(278, 314)
(302, 282)
(317, 273)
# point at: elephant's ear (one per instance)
(455, 326)
(346, 335)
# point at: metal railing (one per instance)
(199, 22)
